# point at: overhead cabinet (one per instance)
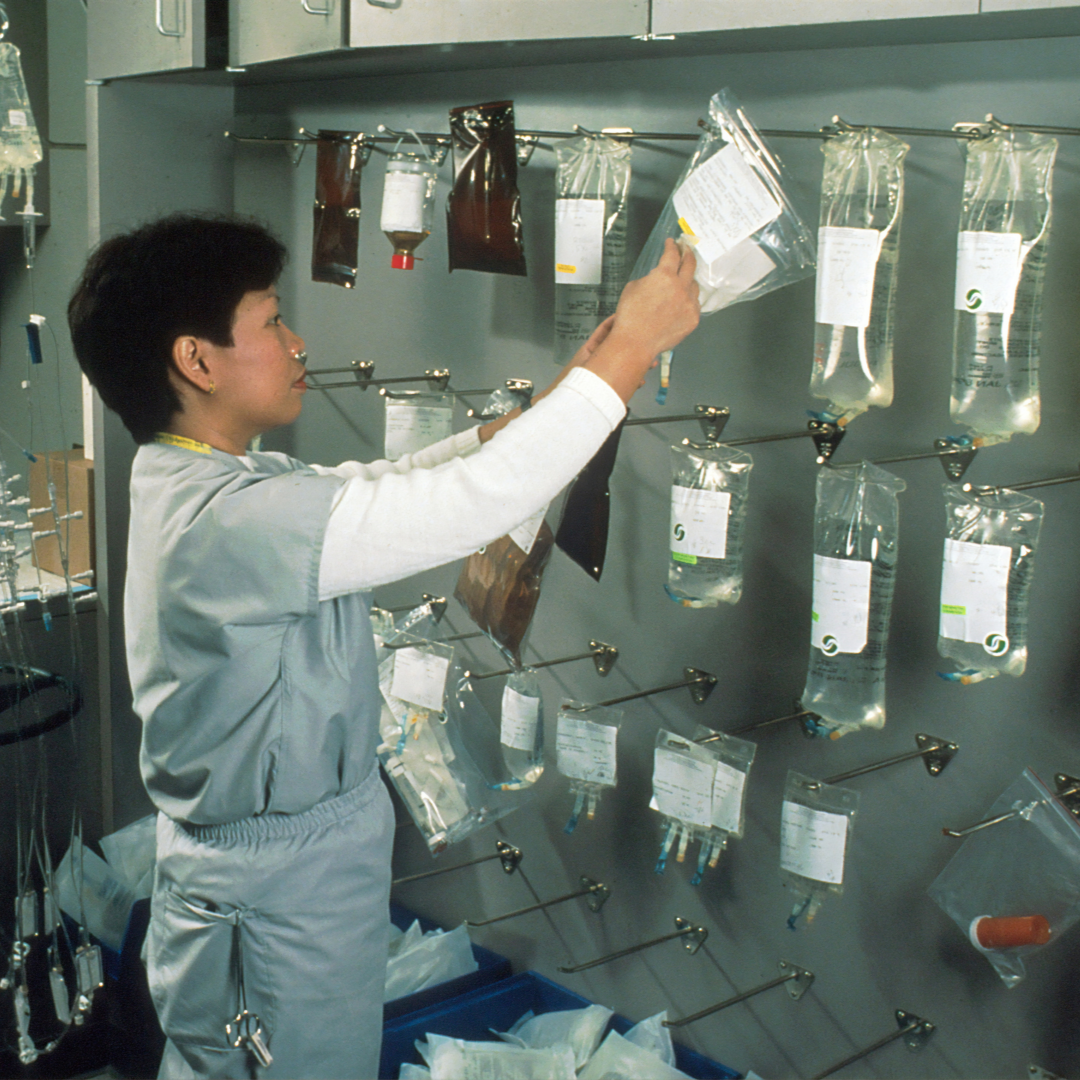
(262, 30)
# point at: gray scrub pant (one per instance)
(304, 898)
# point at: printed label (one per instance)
(975, 594)
(727, 797)
(579, 241)
(520, 715)
(699, 523)
(420, 678)
(847, 264)
(812, 843)
(682, 787)
(526, 533)
(987, 272)
(841, 610)
(586, 750)
(403, 202)
(17, 118)
(723, 202)
(410, 428)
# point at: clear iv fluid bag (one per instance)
(862, 199)
(1000, 268)
(408, 206)
(521, 728)
(856, 525)
(20, 144)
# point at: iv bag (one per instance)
(586, 741)
(708, 512)
(521, 728)
(592, 180)
(856, 526)
(862, 200)
(408, 205)
(989, 558)
(415, 419)
(483, 212)
(1025, 869)
(815, 831)
(1000, 267)
(336, 230)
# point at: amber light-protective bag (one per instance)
(483, 212)
(336, 238)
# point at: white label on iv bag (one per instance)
(727, 797)
(17, 118)
(847, 265)
(525, 534)
(975, 594)
(987, 272)
(586, 750)
(841, 605)
(403, 202)
(420, 678)
(813, 842)
(410, 427)
(579, 241)
(723, 202)
(699, 523)
(520, 713)
(683, 787)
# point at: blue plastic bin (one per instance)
(493, 968)
(472, 1016)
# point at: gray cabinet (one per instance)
(261, 30)
(1026, 5)
(138, 37)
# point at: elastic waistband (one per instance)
(270, 826)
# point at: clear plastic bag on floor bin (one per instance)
(815, 831)
(418, 960)
(709, 489)
(856, 527)
(580, 1029)
(592, 180)
(862, 201)
(1000, 269)
(586, 742)
(454, 1059)
(990, 543)
(414, 420)
(1014, 887)
(618, 1057)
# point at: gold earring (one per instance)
(211, 386)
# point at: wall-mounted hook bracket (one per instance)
(693, 937)
(956, 458)
(525, 144)
(507, 854)
(914, 1030)
(596, 894)
(797, 979)
(712, 418)
(936, 754)
(522, 388)
(602, 655)
(1066, 791)
(437, 604)
(827, 437)
(1037, 1072)
(700, 684)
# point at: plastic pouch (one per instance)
(132, 852)
(453, 1059)
(618, 1057)
(335, 244)
(521, 728)
(730, 204)
(856, 525)
(708, 511)
(1014, 887)
(989, 558)
(592, 181)
(408, 205)
(815, 830)
(415, 419)
(1000, 267)
(583, 527)
(862, 201)
(580, 1029)
(423, 960)
(483, 212)
(20, 143)
(651, 1035)
(586, 742)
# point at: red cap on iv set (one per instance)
(401, 261)
(1010, 932)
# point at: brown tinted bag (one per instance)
(336, 237)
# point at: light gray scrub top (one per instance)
(255, 697)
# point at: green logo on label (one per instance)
(996, 644)
(829, 645)
(973, 299)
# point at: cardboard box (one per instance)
(74, 486)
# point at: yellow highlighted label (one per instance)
(565, 268)
(168, 439)
(686, 228)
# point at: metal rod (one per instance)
(1067, 788)
(434, 641)
(779, 981)
(604, 656)
(934, 747)
(755, 725)
(914, 1026)
(988, 489)
(768, 438)
(693, 678)
(510, 856)
(951, 452)
(425, 598)
(698, 934)
(636, 421)
(597, 892)
(979, 826)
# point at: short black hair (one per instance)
(141, 290)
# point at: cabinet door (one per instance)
(425, 22)
(138, 37)
(277, 29)
(687, 16)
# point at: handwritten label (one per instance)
(975, 594)
(987, 272)
(579, 241)
(586, 750)
(727, 797)
(412, 427)
(699, 523)
(520, 714)
(841, 610)
(683, 787)
(420, 678)
(847, 265)
(813, 842)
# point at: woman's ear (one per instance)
(188, 363)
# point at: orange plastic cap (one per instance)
(1011, 932)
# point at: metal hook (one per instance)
(712, 418)
(914, 1031)
(507, 854)
(602, 655)
(800, 714)
(1051, 481)
(1067, 792)
(936, 754)
(799, 980)
(693, 938)
(437, 603)
(826, 434)
(956, 453)
(700, 683)
(596, 894)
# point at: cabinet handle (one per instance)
(385, 3)
(160, 19)
(328, 10)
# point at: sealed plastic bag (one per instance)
(415, 419)
(700, 790)
(862, 200)
(1014, 886)
(815, 830)
(856, 525)
(990, 544)
(730, 204)
(580, 1029)
(708, 511)
(417, 960)
(1000, 267)
(483, 212)
(335, 244)
(651, 1035)
(454, 1059)
(521, 728)
(592, 180)
(585, 743)
(618, 1057)
(20, 143)
(131, 853)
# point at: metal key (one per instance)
(248, 1029)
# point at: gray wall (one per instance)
(884, 945)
